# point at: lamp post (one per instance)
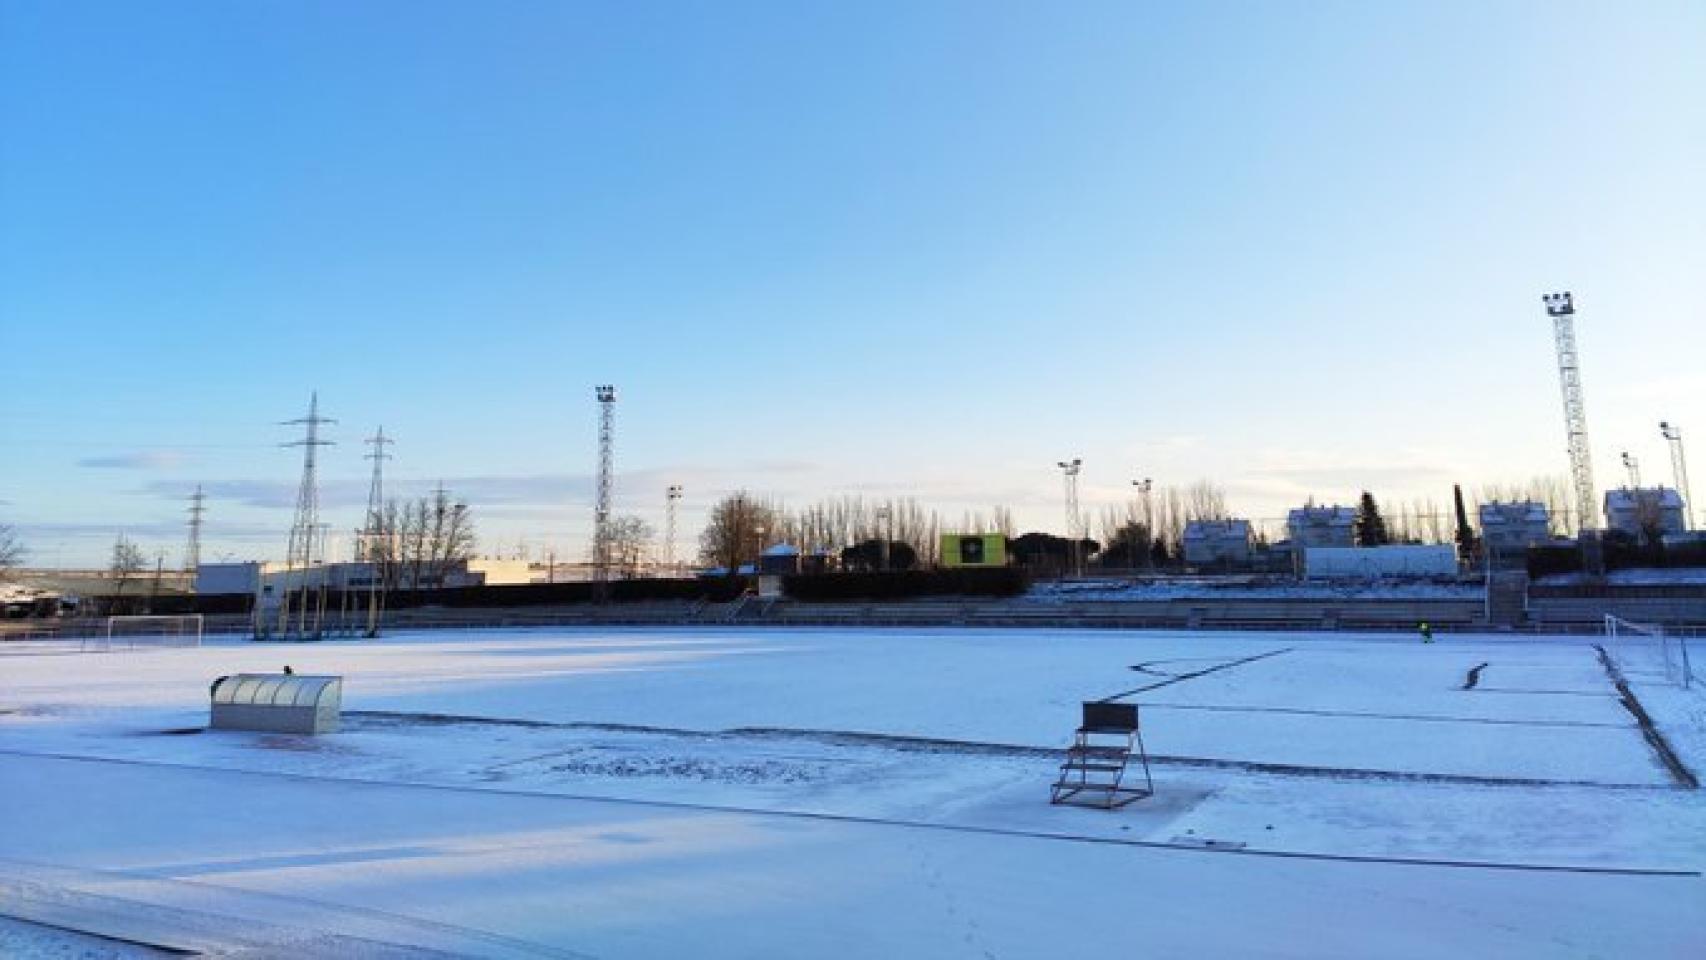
(1679, 467)
(1069, 469)
(1143, 487)
(1634, 467)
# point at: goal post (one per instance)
(178, 630)
(1649, 648)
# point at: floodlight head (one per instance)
(675, 491)
(1669, 432)
(1559, 304)
(606, 393)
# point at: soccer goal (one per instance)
(1646, 649)
(131, 632)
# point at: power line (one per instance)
(372, 546)
(192, 549)
(307, 538)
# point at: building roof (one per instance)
(1517, 511)
(1217, 528)
(1626, 498)
(1334, 515)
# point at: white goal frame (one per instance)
(1672, 649)
(188, 635)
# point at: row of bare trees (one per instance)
(742, 524)
(417, 542)
(1151, 523)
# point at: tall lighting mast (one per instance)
(1562, 309)
(1069, 469)
(672, 498)
(1679, 467)
(601, 546)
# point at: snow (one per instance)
(770, 792)
(21, 939)
(1633, 577)
(1254, 588)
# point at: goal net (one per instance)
(132, 632)
(1646, 651)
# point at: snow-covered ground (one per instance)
(1634, 577)
(1253, 588)
(655, 792)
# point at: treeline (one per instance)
(418, 541)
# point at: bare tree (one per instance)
(383, 546)
(1205, 501)
(629, 538)
(735, 531)
(126, 565)
(1552, 491)
(450, 537)
(11, 550)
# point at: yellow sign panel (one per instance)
(974, 550)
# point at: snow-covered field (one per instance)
(719, 792)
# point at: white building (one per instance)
(228, 578)
(1637, 510)
(1217, 543)
(1321, 527)
(1511, 528)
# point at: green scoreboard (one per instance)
(974, 550)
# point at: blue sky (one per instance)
(883, 248)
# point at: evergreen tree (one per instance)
(1465, 533)
(1370, 527)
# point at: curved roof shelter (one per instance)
(277, 702)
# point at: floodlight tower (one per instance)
(1634, 467)
(1069, 469)
(305, 528)
(1144, 487)
(1679, 467)
(671, 498)
(606, 395)
(1562, 309)
(192, 549)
